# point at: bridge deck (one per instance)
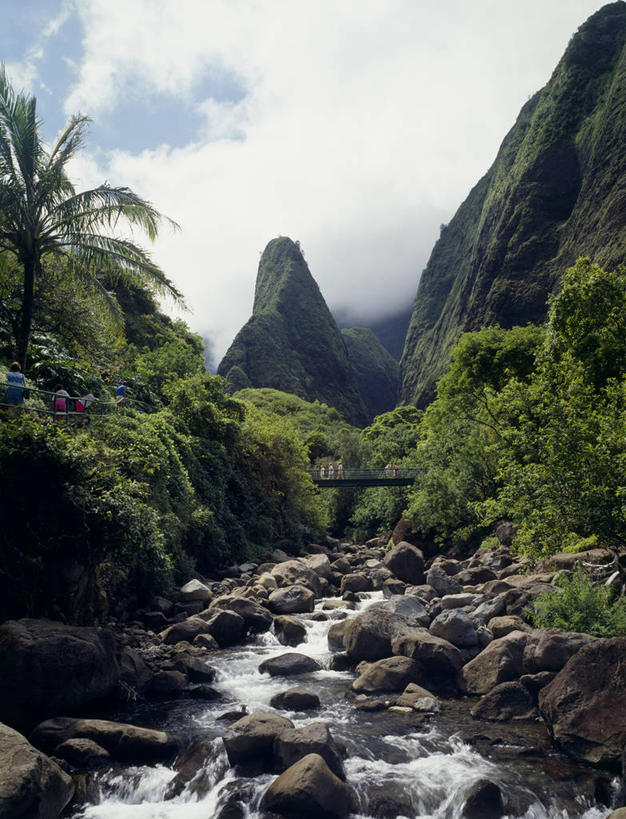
(404, 476)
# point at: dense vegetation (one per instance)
(554, 192)
(377, 372)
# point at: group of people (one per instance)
(61, 404)
(328, 472)
(391, 470)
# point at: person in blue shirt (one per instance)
(120, 395)
(15, 392)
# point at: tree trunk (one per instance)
(23, 336)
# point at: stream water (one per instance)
(399, 764)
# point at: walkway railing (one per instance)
(61, 408)
(400, 476)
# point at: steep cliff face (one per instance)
(291, 342)
(377, 371)
(556, 191)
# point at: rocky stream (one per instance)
(353, 681)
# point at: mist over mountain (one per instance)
(556, 191)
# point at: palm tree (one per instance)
(42, 214)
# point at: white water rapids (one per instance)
(431, 769)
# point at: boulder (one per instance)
(168, 683)
(584, 706)
(458, 601)
(292, 600)
(185, 631)
(195, 590)
(369, 635)
(47, 668)
(134, 672)
(548, 649)
(83, 753)
(355, 582)
(501, 626)
(486, 611)
(256, 618)
(267, 581)
(455, 626)
(296, 572)
(406, 562)
(566, 561)
(483, 801)
(289, 665)
(439, 660)
(507, 701)
(393, 586)
(254, 736)
(308, 789)
(31, 785)
(500, 661)
(289, 631)
(535, 682)
(390, 674)
(335, 603)
(336, 635)
(314, 738)
(475, 576)
(296, 699)
(320, 564)
(442, 582)
(124, 742)
(410, 607)
(206, 641)
(228, 627)
(418, 698)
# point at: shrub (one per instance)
(580, 606)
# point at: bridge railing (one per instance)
(62, 408)
(383, 473)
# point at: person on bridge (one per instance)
(388, 471)
(331, 471)
(322, 472)
(395, 470)
(340, 470)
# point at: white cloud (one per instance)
(364, 125)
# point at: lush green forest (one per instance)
(101, 513)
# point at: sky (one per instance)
(354, 126)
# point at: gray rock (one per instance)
(455, 626)
(195, 590)
(440, 661)
(228, 627)
(124, 742)
(584, 706)
(418, 698)
(292, 600)
(185, 631)
(406, 562)
(83, 753)
(320, 564)
(550, 648)
(507, 701)
(168, 683)
(501, 626)
(296, 572)
(308, 789)
(393, 586)
(355, 582)
(288, 665)
(475, 576)
(314, 738)
(390, 674)
(457, 601)
(501, 661)
(257, 618)
(48, 668)
(442, 582)
(31, 785)
(289, 631)
(483, 801)
(296, 699)
(336, 635)
(487, 611)
(369, 635)
(254, 736)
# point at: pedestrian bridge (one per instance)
(402, 476)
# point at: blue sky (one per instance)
(357, 127)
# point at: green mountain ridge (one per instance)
(377, 371)
(555, 192)
(291, 342)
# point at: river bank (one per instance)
(426, 694)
